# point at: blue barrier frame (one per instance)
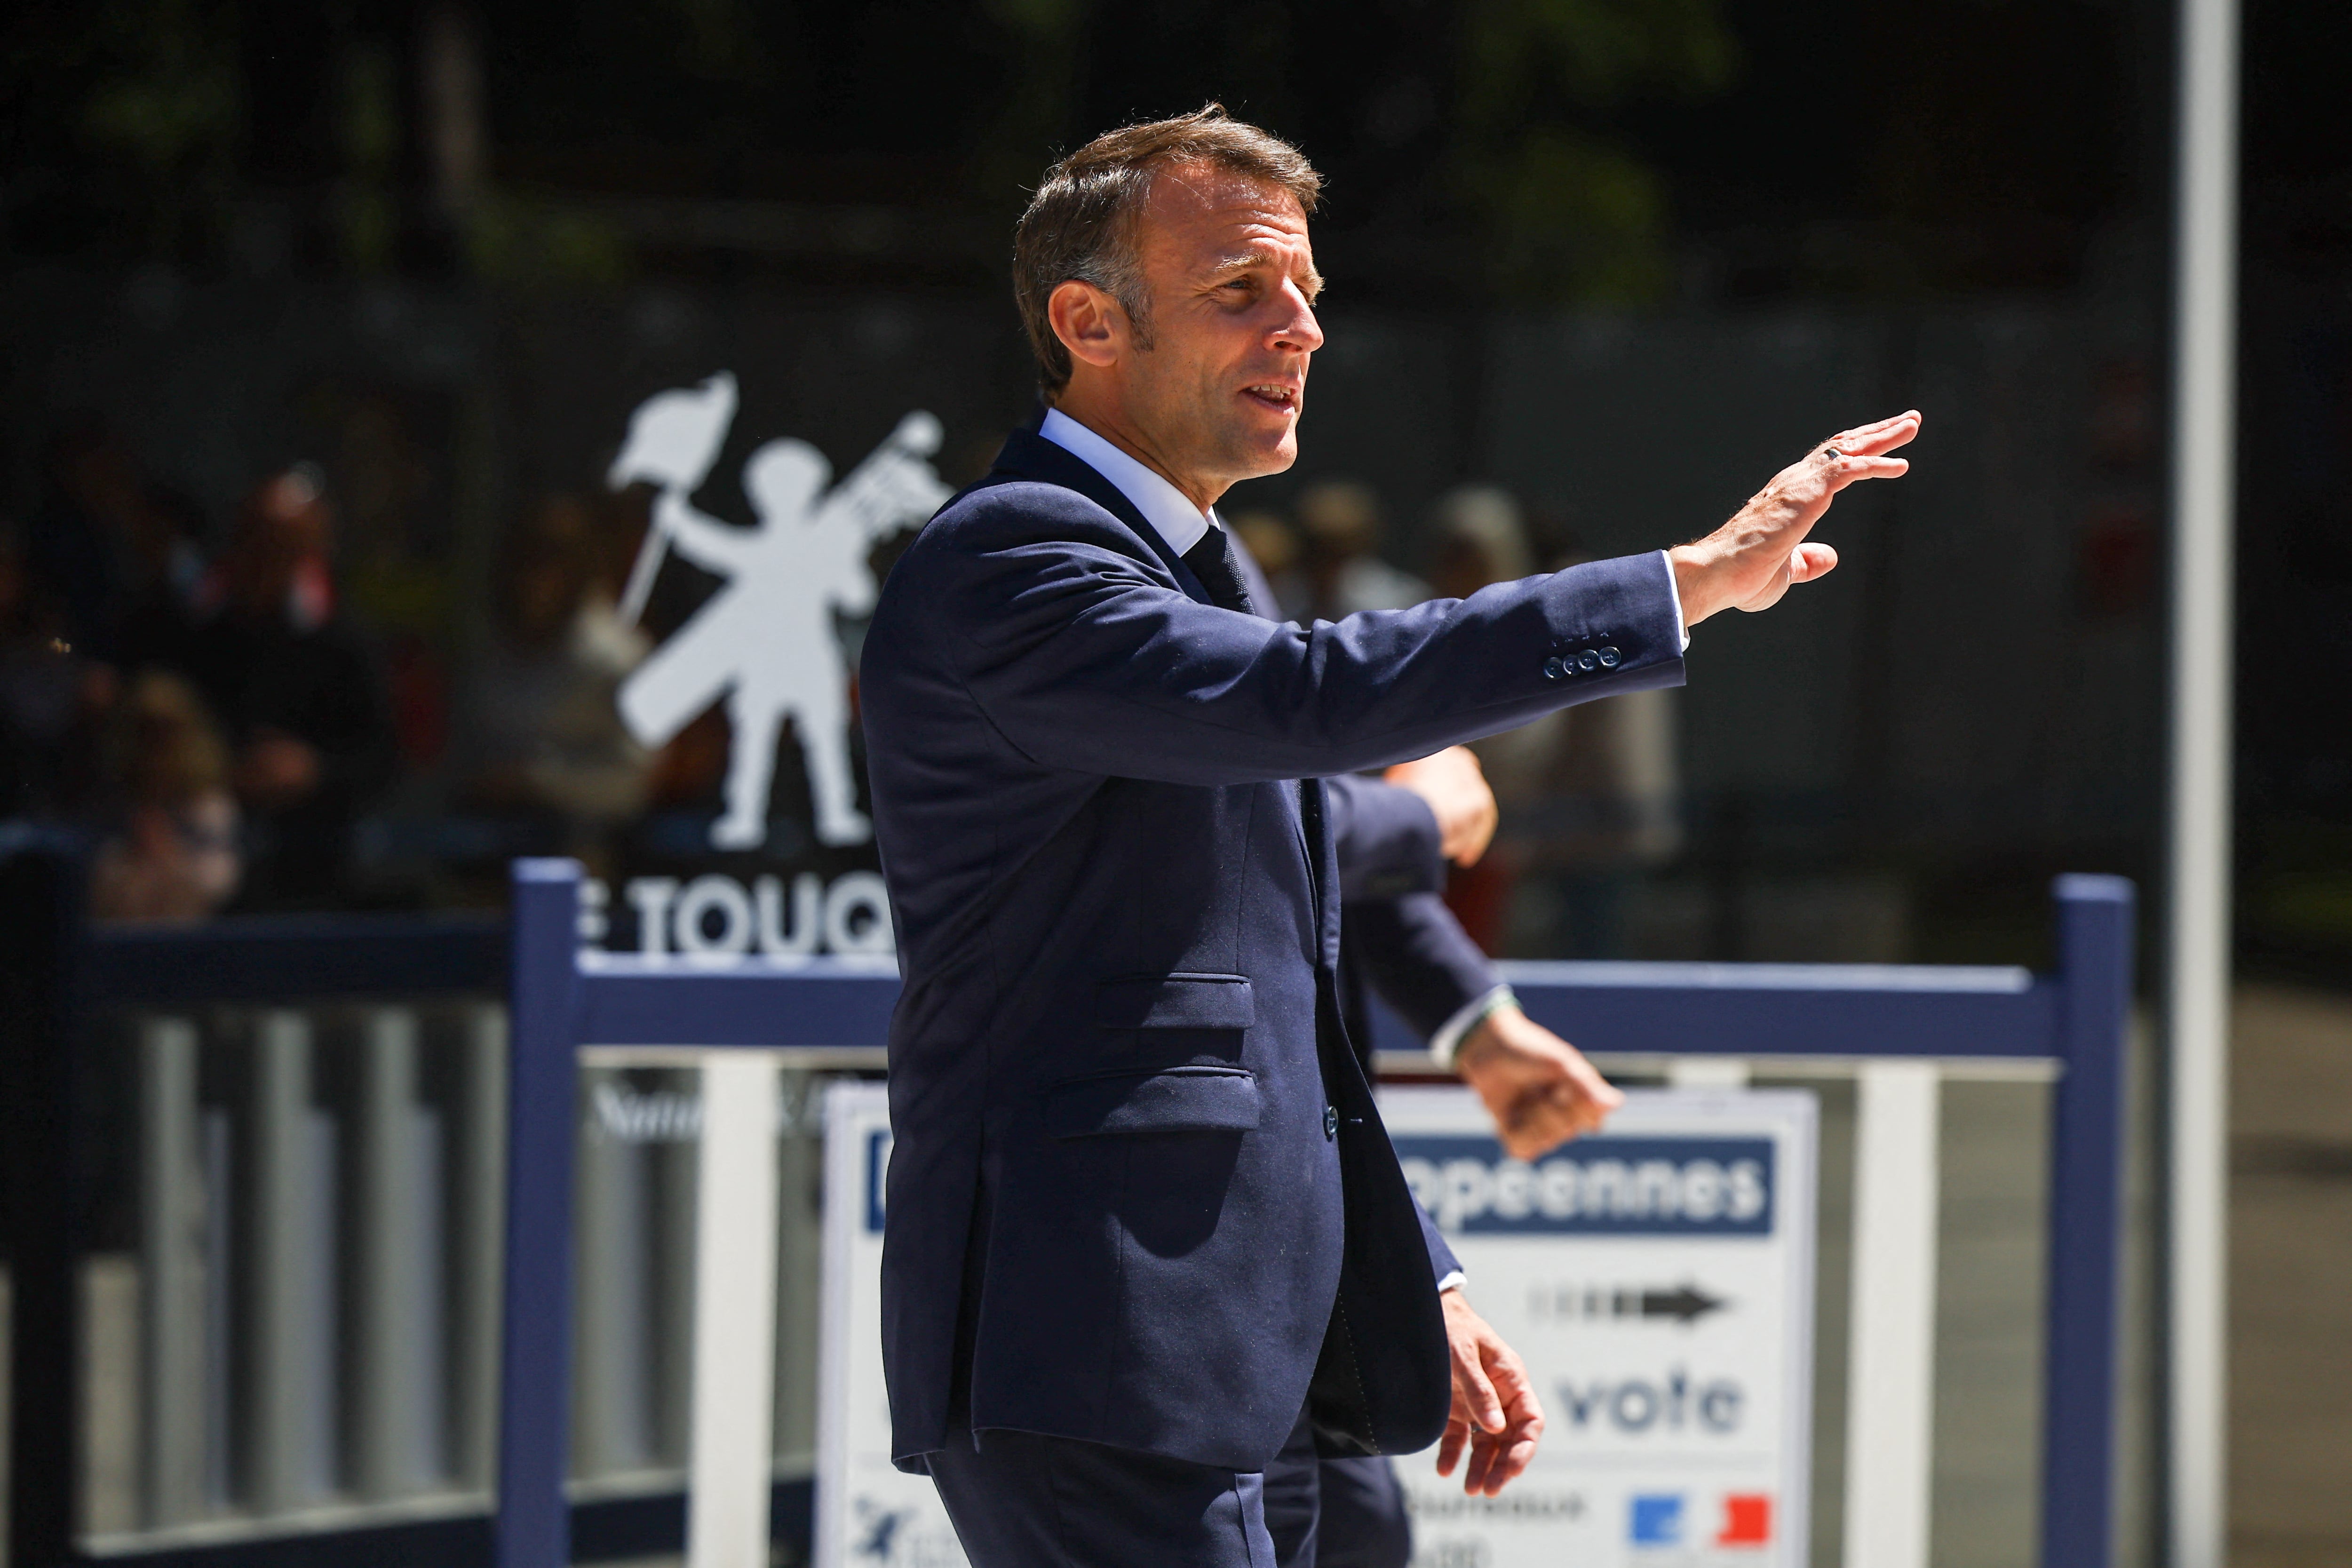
(57, 970)
(2076, 1020)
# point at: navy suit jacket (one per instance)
(1139, 1194)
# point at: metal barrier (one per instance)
(1901, 1029)
(283, 1347)
(296, 1399)
(252, 1172)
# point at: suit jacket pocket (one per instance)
(1174, 1100)
(1175, 1002)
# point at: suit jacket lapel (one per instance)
(1026, 455)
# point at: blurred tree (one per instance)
(371, 135)
(1493, 112)
(164, 102)
(1572, 149)
(1041, 44)
(1573, 211)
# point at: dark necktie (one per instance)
(1211, 560)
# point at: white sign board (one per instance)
(1658, 1281)
(869, 1514)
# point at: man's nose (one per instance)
(1298, 329)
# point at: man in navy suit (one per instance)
(1143, 1222)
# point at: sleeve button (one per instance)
(1554, 668)
(1609, 658)
(1588, 660)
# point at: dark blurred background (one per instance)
(321, 325)
(324, 321)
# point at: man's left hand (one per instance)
(1455, 787)
(1496, 1413)
(1540, 1089)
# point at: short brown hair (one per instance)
(1081, 223)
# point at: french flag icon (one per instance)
(1747, 1519)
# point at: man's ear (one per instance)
(1089, 323)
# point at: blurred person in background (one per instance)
(121, 555)
(296, 689)
(172, 853)
(1589, 795)
(51, 696)
(541, 733)
(77, 547)
(1345, 574)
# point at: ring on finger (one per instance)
(1833, 454)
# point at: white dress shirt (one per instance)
(1163, 506)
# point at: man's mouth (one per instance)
(1275, 396)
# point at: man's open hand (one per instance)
(1540, 1089)
(1750, 561)
(1496, 1414)
(1455, 787)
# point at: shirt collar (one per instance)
(1165, 507)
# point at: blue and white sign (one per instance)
(1611, 1186)
(1658, 1281)
(869, 1513)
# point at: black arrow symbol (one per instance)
(1684, 1304)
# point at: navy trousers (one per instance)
(1020, 1501)
(1334, 1513)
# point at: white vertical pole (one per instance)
(479, 1248)
(608, 1352)
(2198, 908)
(387, 1365)
(734, 1315)
(1891, 1365)
(172, 1199)
(280, 1324)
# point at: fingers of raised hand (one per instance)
(1868, 440)
(1808, 561)
(1850, 470)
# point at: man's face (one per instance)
(1231, 285)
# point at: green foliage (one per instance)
(1592, 53)
(1572, 217)
(170, 95)
(719, 40)
(367, 210)
(519, 241)
(1042, 43)
(1572, 213)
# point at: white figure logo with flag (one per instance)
(766, 640)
